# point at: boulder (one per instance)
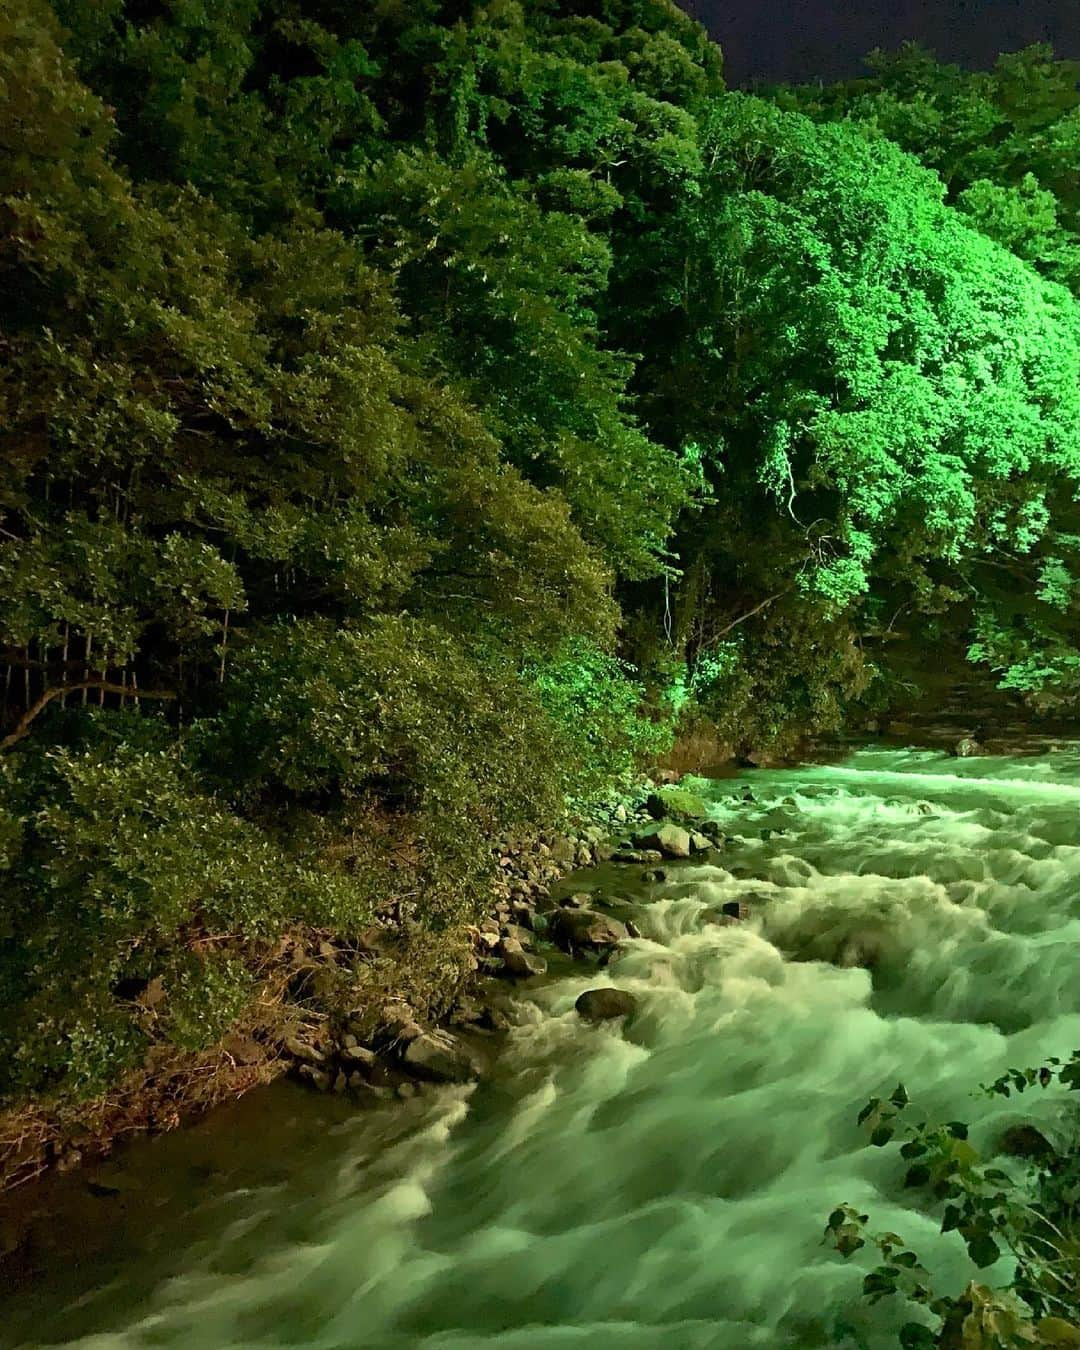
(355, 1053)
(440, 1057)
(654, 874)
(577, 930)
(562, 849)
(1027, 1141)
(699, 843)
(301, 1050)
(601, 1005)
(518, 962)
(720, 919)
(672, 841)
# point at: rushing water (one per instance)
(663, 1184)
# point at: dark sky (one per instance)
(804, 39)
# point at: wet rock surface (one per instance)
(603, 1005)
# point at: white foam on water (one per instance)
(666, 1183)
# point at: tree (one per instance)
(879, 391)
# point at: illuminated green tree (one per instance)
(888, 397)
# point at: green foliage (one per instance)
(681, 803)
(396, 707)
(1002, 140)
(125, 874)
(888, 403)
(600, 710)
(1028, 1209)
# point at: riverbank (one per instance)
(373, 1016)
(367, 1018)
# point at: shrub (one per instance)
(125, 876)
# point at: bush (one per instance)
(600, 712)
(127, 886)
(1028, 1208)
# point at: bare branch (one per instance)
(749, 614)
(22, 727)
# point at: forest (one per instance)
(418, 415)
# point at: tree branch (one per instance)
(749, 614)
(22, 727)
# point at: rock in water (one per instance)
(671, 840)
(585, 929)
(601, 1005)
(440, 1057)
(518, 962)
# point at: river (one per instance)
(913, 918)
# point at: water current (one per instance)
(663, 1183)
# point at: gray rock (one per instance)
(520, 963)
(562, 849)
(579, 900)
(601, 1005)
(316, 1077)
(700, 843)
(301, 1050)
(358, 1054)
(585, 930)
(672, 841)
(440, 1057)
(654, 874)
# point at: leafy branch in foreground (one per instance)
(1028, 1210)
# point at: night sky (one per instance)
(805, 39)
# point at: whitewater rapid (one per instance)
(913, 918)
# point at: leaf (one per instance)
(918, 1175)
(899, 1097)
(906, 1259)
(983, 1250)
(951, 1218)
(958, 1129)
(1056, 1331)
(914, 1148)
(868, 1110)
(915, 1336)
(881, 1136)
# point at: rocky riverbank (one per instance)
(378, 1016)
(529, 927)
